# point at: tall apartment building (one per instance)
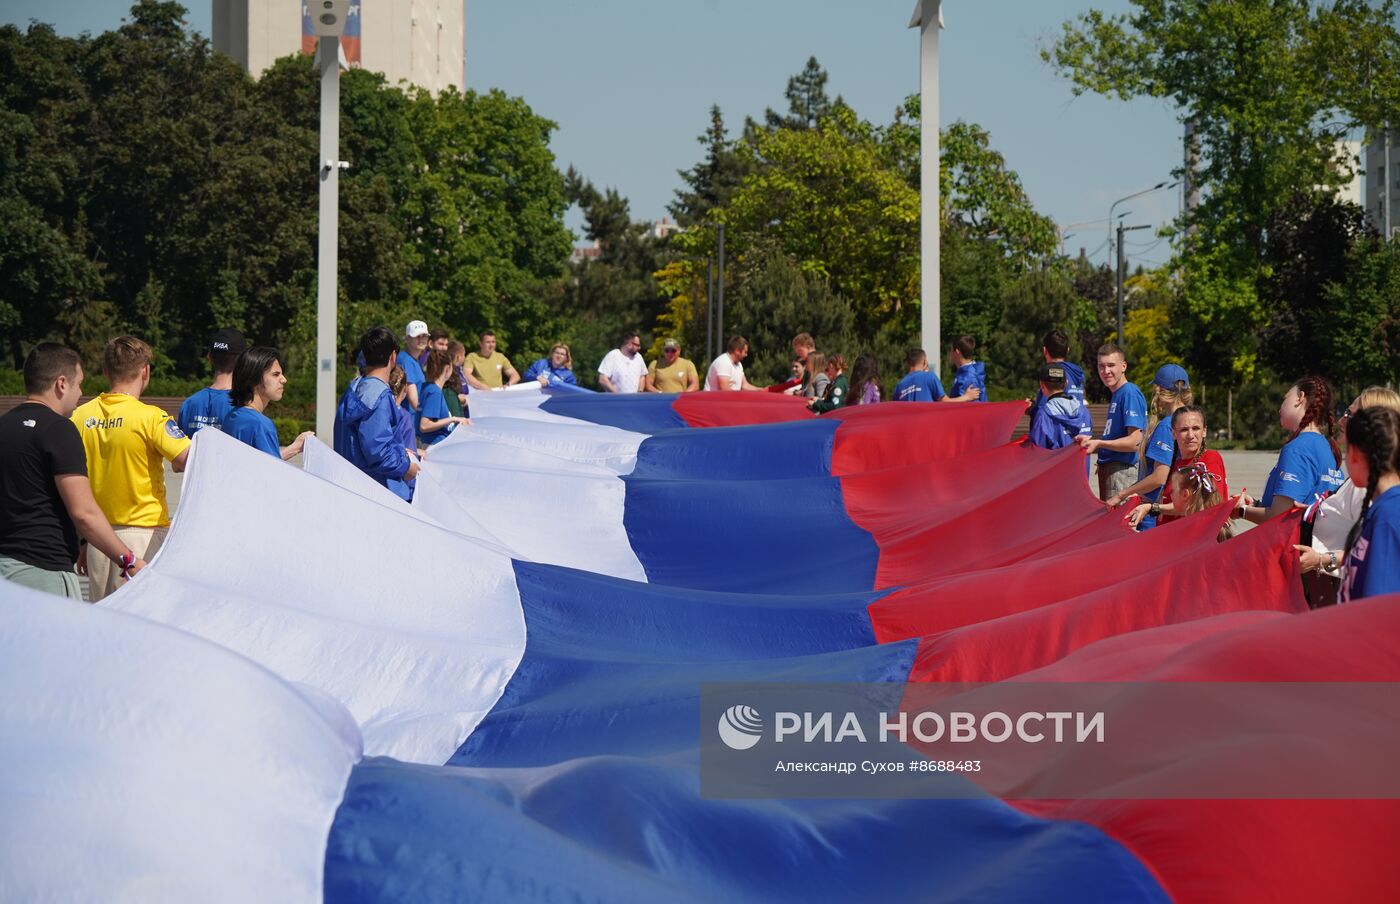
(422, 42)
(1382, 168)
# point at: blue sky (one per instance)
(630, 84)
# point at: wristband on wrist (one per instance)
(1156, 509)
(1333, 557)
(126, 560)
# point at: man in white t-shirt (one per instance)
(624, 369)
(727, 371)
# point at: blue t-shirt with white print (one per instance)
(1161, 450)
(206, 408)
(919, 386)
(1373, 565)
(1306, 468)
(1127, 409)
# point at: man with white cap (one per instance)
(415, 340)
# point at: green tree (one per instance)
(616, 291)
(712, 181)
(1269, 85)
(484, 216)
(45, 276)
(1307, 252)
(1362, 343)
(1033, 304)
(773, 301)
(808, 103)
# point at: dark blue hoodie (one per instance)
(368, 435)
(973, 373)
(1055, 422)
(1074, 388)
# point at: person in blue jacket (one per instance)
(1171, 390)
(969, 376)
(1055, 349)
(367, 420)
(558, 368)
(1373, 461)
(1309, 463)
(209, 406)
(1056, 421)
(919, 384)
(258, 381)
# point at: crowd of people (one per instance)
(92, 475)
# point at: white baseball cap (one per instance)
(415, 328)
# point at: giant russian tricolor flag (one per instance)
(316, 690)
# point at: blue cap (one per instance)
(1169, 374)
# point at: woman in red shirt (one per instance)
(1202, 469)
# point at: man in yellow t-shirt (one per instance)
(127, 443)
(487, 368)
(671, 372)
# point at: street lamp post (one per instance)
(1120, 271)
(1138, 194)
(928, 18)
(328, 23)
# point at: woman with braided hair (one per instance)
(1309, 463)
(1373, 549)
(1334, 518)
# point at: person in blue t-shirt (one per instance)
(1309, 463)
(969, 376)
(557, 369)
(1171, 389)
(435, 420)
(415, 340)
(1055, 349)
(209, 406)
(367, 419)
(919, 384)
(1117, 446)
(1373, 461)
(257, 382)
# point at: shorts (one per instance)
(1115, 477)
(59, 583)
(104, 576)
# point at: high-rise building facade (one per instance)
(422, 42)
(1382, 169)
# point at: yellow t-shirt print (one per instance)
(127, 443)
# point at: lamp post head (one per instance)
(328, 17)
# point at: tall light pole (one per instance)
(1137, 194)
(328, 23)
(1120, 270)
(928, 18)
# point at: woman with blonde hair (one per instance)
(1171, 389)
(817, 378)
(1333, 518)
(556, 367)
